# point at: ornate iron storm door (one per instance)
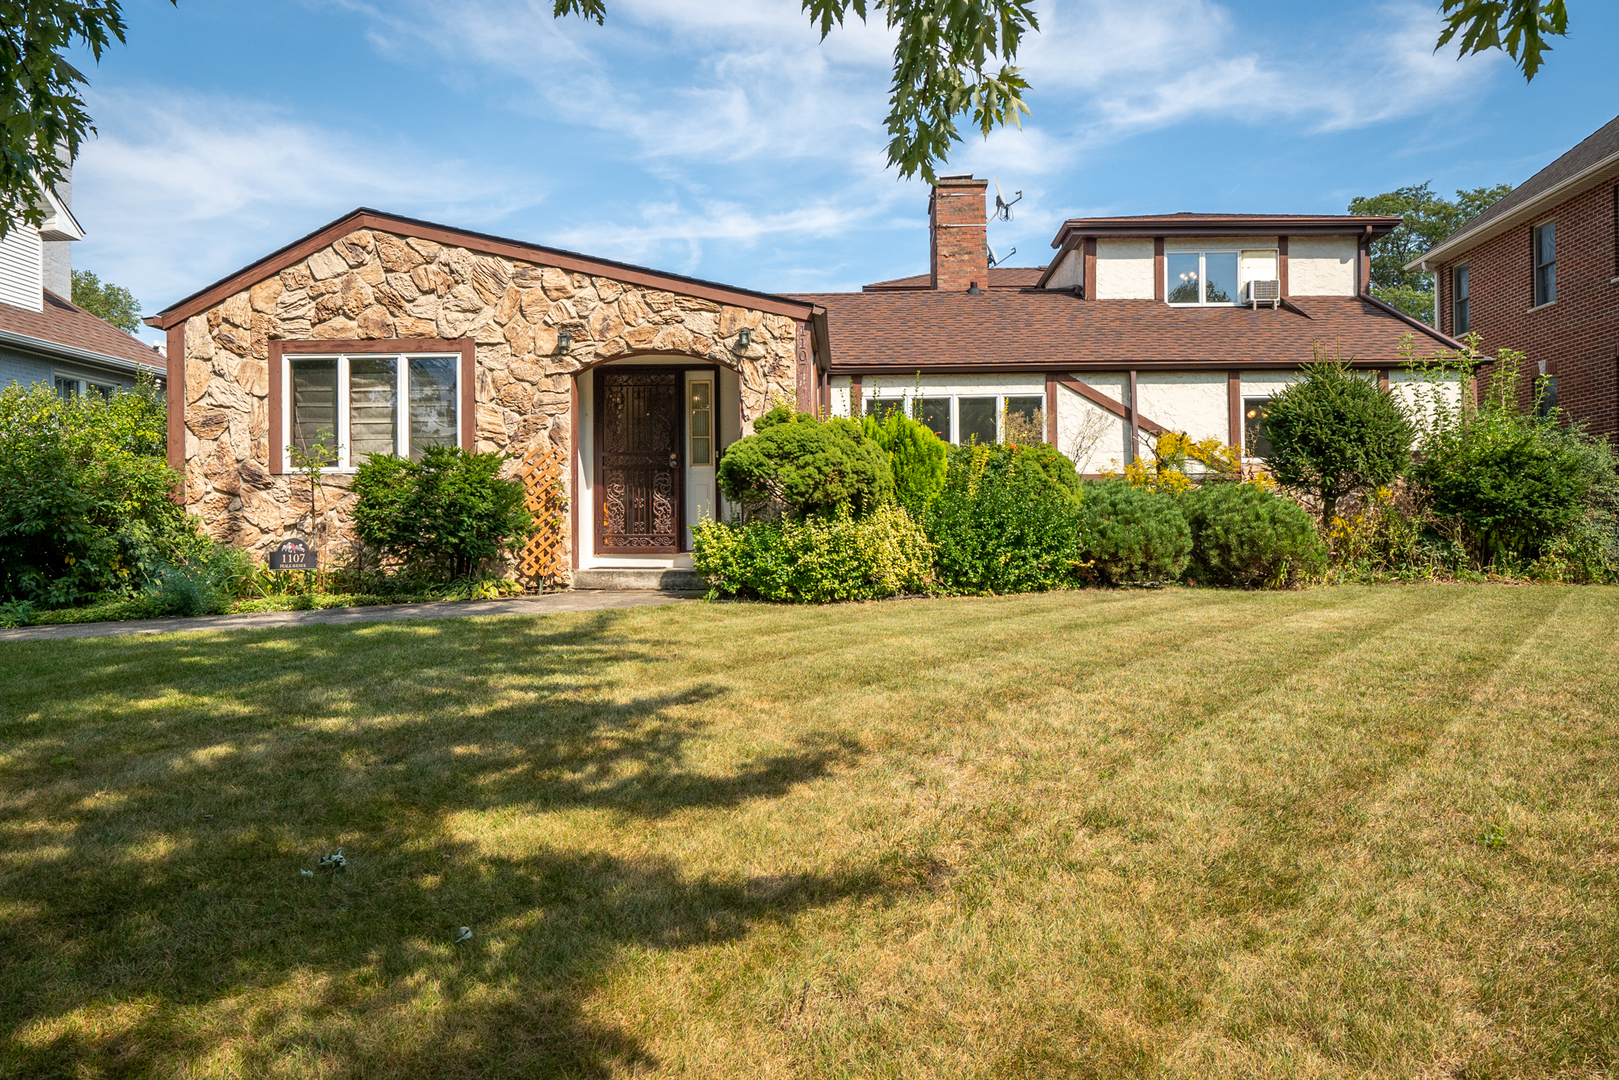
(640, 467)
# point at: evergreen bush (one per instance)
(818, 559)
(1244, 535)
(1001, 524)
(1132, 534)
(446, 515)
(916, 455)
(798, 465)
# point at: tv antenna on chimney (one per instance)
(996, 260)
(1003, 209)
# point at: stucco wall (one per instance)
(1321, 266)
(1194, 402)
(376, 285)
(1069, 273)
(1124, 269)
(1090, 435)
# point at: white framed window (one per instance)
(1201, 278)
(967, 418)
(1544, 239)
(361, 404)
(71, 386)
(700, 423)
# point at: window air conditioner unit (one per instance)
(1265, 292)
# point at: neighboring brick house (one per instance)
(44, 337)
(1539, 272)
(1190, 322)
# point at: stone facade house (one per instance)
(383, 334)
(1538, 272)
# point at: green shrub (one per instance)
(1244, 535)
(446, 515)
(1002, 525)
(1132, 534)
(801, 466)
(915, 454)
(1515, 483)
(1334, 433)
(818, 559)
(997, 457)
(86, 502)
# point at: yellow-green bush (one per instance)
(818, 559)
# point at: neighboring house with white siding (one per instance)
(44, 337)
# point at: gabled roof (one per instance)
(1596, 158)
(366, 218)
(1187, 224)
(68, 332)
(1039, 329)
(1000, 277)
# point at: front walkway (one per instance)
(445, 609)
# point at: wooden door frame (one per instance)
(599, 493)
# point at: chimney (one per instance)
(960, 256)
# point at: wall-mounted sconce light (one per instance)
(744, 338)
(564, 340)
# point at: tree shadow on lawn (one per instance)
(142, 936)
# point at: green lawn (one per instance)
(1342, 832)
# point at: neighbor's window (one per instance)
(68, 386)
(354, 402)
(1545, 246)
(701, 427)
(1546, 395)
(1201, 277)
(1459, 306)
(1254, 412)
(970, 418)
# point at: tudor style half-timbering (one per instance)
(1190, 322)
(389, 335)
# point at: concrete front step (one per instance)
(650, 579)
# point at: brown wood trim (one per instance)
(1213, 365)
(575, 467)
(1135, 419)
(1096, 397)
(174, 403)
(1383, 379)
(1233, 396)
(857, 390)
(1363, 263)
(1281, 264)
(1051, 408)
(1090, 268)
(466, 373)
(296, 252)
(1158, 268)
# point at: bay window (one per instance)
(371, 403)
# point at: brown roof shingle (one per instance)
(1037, 329)
(66, 324)
(1000, 277)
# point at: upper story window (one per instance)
(1459, 307)
(1545, 249)
(371, 403)
(1201, 277)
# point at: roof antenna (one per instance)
(996, 260)
(1003, 209)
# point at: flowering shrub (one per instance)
(818, 559)
(1173, 451)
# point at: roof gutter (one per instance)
(1466, 238)
(83, 356)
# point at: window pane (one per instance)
(432, 403)
(699, 395)
(977, 419)
(1025, 420)
(699, 422)
(314, 403)
(1546, 263)
(66, 388)
(1254, 411)
(1459, 304)
(699, 451)
(1546, 403)
(373, 407)
(1220, 268)
(1183, 277)
(880, 407)
(935, 413)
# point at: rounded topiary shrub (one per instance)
(802, 466)
(1244, 535)
(1132, 534)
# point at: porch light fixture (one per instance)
(744, 338)
(564, 340)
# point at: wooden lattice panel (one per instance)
(544, 559)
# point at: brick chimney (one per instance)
(960, 255)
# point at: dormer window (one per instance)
(1201, 278)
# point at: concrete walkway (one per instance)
(550, 603)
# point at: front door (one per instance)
(640, 471)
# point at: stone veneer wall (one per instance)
(376, 285)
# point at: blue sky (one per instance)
(723, 139)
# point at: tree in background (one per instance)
(106, 301)
(1425, 220)
(40, 101)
